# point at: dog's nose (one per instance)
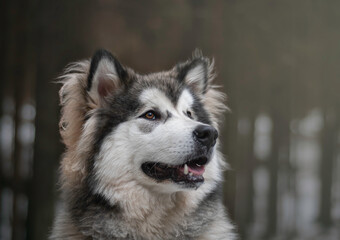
(206, 135)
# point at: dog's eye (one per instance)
(189, 114)
(150, 115)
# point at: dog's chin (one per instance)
(186, 175)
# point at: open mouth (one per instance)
(189, 174)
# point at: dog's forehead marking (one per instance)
(154, 97)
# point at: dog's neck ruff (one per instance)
(145, 214)
(162, 215)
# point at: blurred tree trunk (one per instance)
(251, 163)
(13, 72)
(20, 97)
(273, 164)
(46, 147)
(280, 114)
(230, 123)
(3, 26)
(328, 145)
(229, 144)
(330, 104)
(245, 168)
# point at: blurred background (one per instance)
(278, 61)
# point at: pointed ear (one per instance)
(106, 76)
(195, 74)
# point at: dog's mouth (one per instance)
(189, 174)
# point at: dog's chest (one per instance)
(117, 228)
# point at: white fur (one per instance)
(185, 102)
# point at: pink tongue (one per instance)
(196, 170)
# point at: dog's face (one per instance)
(161, 142)
(154, 130)
(177, 145)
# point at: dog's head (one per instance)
(158, 131)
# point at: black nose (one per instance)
(206, 135)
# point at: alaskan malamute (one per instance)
(142, 159)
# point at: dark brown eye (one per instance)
(150, 115)
(189, 114)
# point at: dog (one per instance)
(142, 159)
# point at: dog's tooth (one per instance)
(186, 170)
(190, 174)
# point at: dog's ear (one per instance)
(196, 73)
(106, 75)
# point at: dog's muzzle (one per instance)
(189, 174)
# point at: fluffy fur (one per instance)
(106, 195)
